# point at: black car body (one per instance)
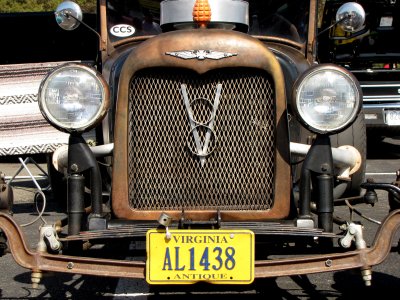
(372, 55)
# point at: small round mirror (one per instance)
(68, 15)
(350, 17)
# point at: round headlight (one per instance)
(327, 98)
(74, 98)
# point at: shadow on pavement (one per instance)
(351, 285)
(388, 148)
(346, 285)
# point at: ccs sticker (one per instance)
(122, 30)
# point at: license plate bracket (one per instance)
(190, 256)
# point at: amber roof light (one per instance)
(202, 13)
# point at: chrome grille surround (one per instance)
(164, 174)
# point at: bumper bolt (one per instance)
(36, 278)
(70, 265)
(367, 276)
(328, 263)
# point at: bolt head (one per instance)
(70, 265)
(328, 263)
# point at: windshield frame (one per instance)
(307, 46)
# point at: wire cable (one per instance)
(353, 209)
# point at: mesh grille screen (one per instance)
(165, 168)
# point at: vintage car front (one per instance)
(199, 108)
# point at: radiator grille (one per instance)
(165, 173)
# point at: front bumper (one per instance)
(379, 97)
(40, 262)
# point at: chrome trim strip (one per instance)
(380, 85)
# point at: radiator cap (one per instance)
(225, 14)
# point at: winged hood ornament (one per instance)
(201, 54)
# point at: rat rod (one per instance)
(223, 145)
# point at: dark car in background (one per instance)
(372, 54)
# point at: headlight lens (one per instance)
(74, 98)
(327, 99)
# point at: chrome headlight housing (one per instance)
(327, 98)
(74, 98)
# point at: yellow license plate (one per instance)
(190, 256)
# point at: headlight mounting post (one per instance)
(81, 159)
(318, 167)
(326, 99)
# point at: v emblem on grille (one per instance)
(201, 132)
